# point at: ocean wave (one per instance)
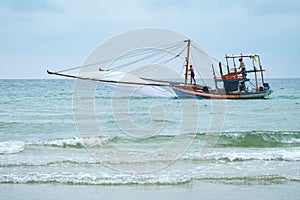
(14, 147)
(257, 139)
(94, 142)
(84, 178)
(93, 179)
(67, 162)
(262, 139)
(11, 147)
(252, 180)
(217, 157)
(266, 155)
(75, 142)
(243, 154)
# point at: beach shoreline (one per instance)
(194, 190)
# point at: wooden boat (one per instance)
(233, 84)
(229, 85)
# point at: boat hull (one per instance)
(194, 92)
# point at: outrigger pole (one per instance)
(107, 81)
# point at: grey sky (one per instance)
(37, 35)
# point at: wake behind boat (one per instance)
(142, 72)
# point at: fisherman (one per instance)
(192, 75)
(242, 67)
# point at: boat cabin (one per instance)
(235, 79)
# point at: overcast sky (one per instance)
(37, 35)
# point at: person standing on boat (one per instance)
(192, 75)
(242, 67)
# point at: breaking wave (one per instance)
(11, 147)
(84, 178)
(94, 179)
(248, 155)
(226, 139)
(75, 142)
(262, 139)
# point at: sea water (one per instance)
(256, 152)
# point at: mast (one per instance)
(187, 60)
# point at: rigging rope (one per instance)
(167, 46)
(156, 65)
(205, 53)
(156, 52)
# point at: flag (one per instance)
(254, 58)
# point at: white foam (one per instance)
(288, 155)
(76, 142)
(11, 147)
(291, 141)
(94, 178)
(245, 155)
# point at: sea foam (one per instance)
(75, 142)
(11, 147)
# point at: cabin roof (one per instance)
(241, 56)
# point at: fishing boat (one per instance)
(229, 85)
(235, 83)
